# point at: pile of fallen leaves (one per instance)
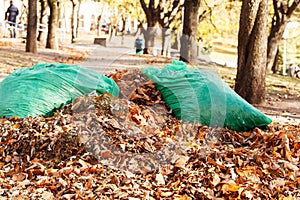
(102, 147)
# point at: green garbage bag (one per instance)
(40, 89)
(200, 96)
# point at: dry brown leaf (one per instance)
(181, 162)
(231, 187)
(160, 179)
(216, 180)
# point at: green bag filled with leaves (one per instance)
(200, 96)
(40, 89)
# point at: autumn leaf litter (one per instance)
(102, 147)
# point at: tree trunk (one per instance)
(124, 19)
(252, 51)
(43, 21)
(31, 45)
(275, 64)
(52, 42)
(99, 25)
(188, 40)
(113, 26)
(283, 10)
(175, 44)
(149, 36)
(77, 19)
(163, 44)
(274, 39)
(166, 41)
(73, 21)
(170, 15)
(152, 14)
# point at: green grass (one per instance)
(276, 84)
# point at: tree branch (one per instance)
(292, 8)
(145, 8)
(151, 4)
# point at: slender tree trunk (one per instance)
(283, 10)
(123, 28)
(163, 44)
(188, 41)
(43, 21)
(149, 36)
(166, 40)
(73, 21)
(275, 64)
(77, 18)
(52, 42)
(99, 25)
(152, 12)
(31, 44)
(168, 18)
(274, 39)
(111, 32)
(252, 51)
(175, 44)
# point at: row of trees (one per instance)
(257, 41)
(31, 38)
(49, 11)
(256, 50)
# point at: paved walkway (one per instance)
(116, 55)
(121, 55)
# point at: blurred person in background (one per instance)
(11, 16)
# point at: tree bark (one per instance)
(31, 44)
(166, 41)
(275, 64)
(188, 40)
(170, 13)
(74, 21)
(113, 26)
(77, 18)
(99, 24)
(124, 19)
(282, 14)
(149, 36)
(52, 42)
(152, 15)
(252, 51)
(274, 39)
(43, 21)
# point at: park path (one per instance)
(115, 55)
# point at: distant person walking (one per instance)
(11, 15)
(139, 45)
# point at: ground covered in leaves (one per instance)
(13, 55)
(102, 147)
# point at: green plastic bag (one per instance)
(40, 89)
(200, 96)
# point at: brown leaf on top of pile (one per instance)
(146, 94)
(137, 87)
(128, 81)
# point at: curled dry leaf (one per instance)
(160, 179)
